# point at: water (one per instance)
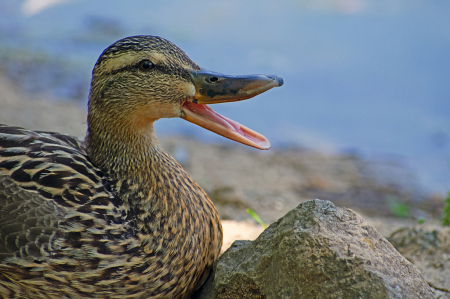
(365, 76)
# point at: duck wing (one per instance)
(50, 194)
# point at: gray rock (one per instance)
(315, 251)
(428, 248)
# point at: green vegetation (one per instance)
(256, 217)
(446, 217)
(398, 208)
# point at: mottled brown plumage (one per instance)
(116, 217)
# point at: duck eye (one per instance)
(145, 65)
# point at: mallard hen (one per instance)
(116, 216)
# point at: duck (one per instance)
(115, 216)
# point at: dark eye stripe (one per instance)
(128, 68)
(131, 68)
(178, 71)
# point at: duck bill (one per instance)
(214, 88)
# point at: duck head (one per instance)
(140, 79)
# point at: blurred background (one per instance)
(365, 77)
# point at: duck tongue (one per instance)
(204, 116)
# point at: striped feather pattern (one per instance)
(67, 232)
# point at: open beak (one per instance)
(214, 88)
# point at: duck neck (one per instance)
(134, 163)
(123, 152)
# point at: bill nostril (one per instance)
(213, 80)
